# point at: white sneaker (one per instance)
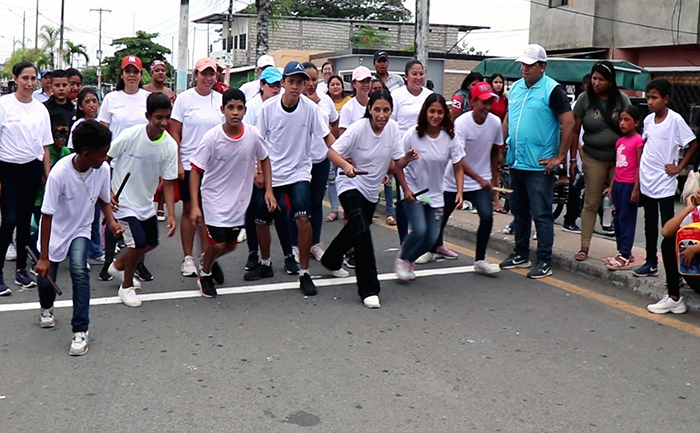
(188, 268)
(295, 251)
(317, 252)
(242, 236)
(46, 319)
(79, 344)
(486, 268)
(128, 297)
(116, 273)
(97, 260)
(668, 305)
(341, 273)
(425, 258)
(402, 269)
(372, 301)
(11, 254)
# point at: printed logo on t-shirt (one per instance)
(621, 160)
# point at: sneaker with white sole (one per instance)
(11, 254)
(508, 230)
(372, 302)
(541, 270)
(317, 252)
(97, 260)
(188, 268)
(128, 297)
(485, 268)
(295, 251)
(668, 305)
(402, 268)
(442, 252)
(341, 273)
(23, 279)
(242, 236)
(119, 275)
(425, 258)
(79, 344)
(515, 261)
(46, 319)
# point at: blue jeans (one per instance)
(483, 202)
(624, 217)
(319, 180)
(425, 227)
(532, 200)
(299, 194)
(332, 190)
(95, 237)
(80, 277)
(389, 196)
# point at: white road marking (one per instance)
(184, 294)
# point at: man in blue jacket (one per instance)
(540, 130)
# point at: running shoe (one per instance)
(188, 268)
(349, 260)
(23, 279)
(307, 286)
(142, 273)
(46, 319)
(258, 272)
(442, 252)
(206, 286)
(253, 260)
(515, 261)
(290, 265)
(79, 344)
(317, 252)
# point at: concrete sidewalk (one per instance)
(463, 225)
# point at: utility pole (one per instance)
(36, 28)
(181, 82)
(24, 21)
(99, 50)
(422, 31)
(60, 43)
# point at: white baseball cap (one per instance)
(533, 53)
(266, 60)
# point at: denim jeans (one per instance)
(483, 202)
(532, 200)
(319, 180)
(625, 217)
(356, 234)
(332, 190)
(425, 228)
(95, 250)
(80, 277)
(281, 226)
(299, 195)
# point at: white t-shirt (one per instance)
(689, 219)
(319, 150)
(198, 114)
(662, 141)
(252, 110)
(322, 87)
(146, 160)
(369, 152)
(25, 128)
(476, 141)
(121, 110)
(351, 112)
(407, 107)
(434, 154)
(227, 183)
(72, 128)
(70, 198)
(289, 138)
(250, 88)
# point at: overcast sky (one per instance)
(508, 20)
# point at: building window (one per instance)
(242, 41)
(559, 3)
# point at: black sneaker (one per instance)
(541, 270)
(253, 260)
(217, 273)
(260, 271)
(647, 270)
(608, 230)
(104, 276)
(24, 280)
(307, 286)
(206, 286)
(571, 228)
(349, 260)
(290, 265)
(515, 261)
(142, 273)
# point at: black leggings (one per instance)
(20, 185)
(673, 278)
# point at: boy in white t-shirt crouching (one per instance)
(148, 152)
(72, 188)
(223, 163)
(665, 132)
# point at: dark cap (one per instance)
(381, 55)
(295, 68)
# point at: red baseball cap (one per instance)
(483, 91)
(132, 60)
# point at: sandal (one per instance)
(332, 217)
(500, 209)
(391, 221)
(618, 263)
(581, 256)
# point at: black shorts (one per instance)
(220, 235)
(184, 185)
(140, 234)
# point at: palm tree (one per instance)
(74, 49)
(47, 37)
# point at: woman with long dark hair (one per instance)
(460, 100)
(597, 111)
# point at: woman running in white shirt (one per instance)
(195, 112)
(371, 144)
(429, 147)
(355, 108)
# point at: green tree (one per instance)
(90, 76)
(37, 56)
(141, 45)
(72, 50)
(387, 10)
(48, 37)
(368, 37)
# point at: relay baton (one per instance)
(119, 191)
(48, 276)
(415, 194)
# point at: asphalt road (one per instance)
(450, 352)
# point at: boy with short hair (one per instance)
(289, 124)
(58, 103)
(223, 164)
(74, 185)
(665, 132)
(148, 153)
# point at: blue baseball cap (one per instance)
(295, 68)
(44, 73)
(271, 75)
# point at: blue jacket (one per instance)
(533, 128)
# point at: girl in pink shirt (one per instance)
(625, 187)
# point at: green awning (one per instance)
(570, 71)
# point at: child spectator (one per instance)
(665, 132)
(73, 187)
(625, 187)
(58, 103)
